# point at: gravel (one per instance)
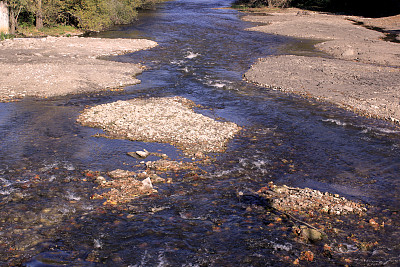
(55, 66)
(339, 35)
(165, 120)
(366, 89)
(363, 76)
(305, 200)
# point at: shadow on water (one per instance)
(49, 218)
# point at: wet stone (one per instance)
(311, 234)
(123, 188)
(170, 165)
(146, 153)
(303, 200)
(142, 153)
(156, 179)
(117, 174)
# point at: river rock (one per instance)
(169, 165)
(348, 52)
(305, 200)
(124, 187)
(118, 174)
(156, 179)
(146, 184)
(142, 153)
(310, 234)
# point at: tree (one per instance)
(100, 14)
(279, 3)
(39, 14)
(85, 14)
(269, 3)
(16, 6)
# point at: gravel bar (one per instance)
(165, 120)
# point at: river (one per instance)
(49, 219)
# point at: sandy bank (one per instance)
(340, 36)
(56, 66)
(364, 77)
(367, 89)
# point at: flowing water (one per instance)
(47, 215)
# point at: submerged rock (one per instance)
(124, 187)
(310, 234)
(146, 184)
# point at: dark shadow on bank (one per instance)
(365, 8)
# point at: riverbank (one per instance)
(55, 66)
(360, 72)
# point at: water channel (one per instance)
(47, 215)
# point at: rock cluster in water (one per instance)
(166, 120)
(170, 165)
(124, 186)
(301, 200)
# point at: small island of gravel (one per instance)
(164, 120)
(55, 66)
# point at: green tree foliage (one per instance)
(85, 14)
(260, 3)
(100, 14)
(16, 6)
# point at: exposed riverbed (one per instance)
(209, 214)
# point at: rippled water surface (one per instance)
(49, 219)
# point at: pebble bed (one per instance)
(165, 120)
(304, 200)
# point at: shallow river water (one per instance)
(200, 219)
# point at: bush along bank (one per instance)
(86, 15)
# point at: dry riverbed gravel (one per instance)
(54, 66)
(366, 89)
(363, 76)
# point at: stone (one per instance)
(169, 120)
(101, 180)
(143, 154)
(307, 256)
(311, 234)
(146, 184)
(348, 53)
(156, 179)
(118, 174)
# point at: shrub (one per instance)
(4, 36)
